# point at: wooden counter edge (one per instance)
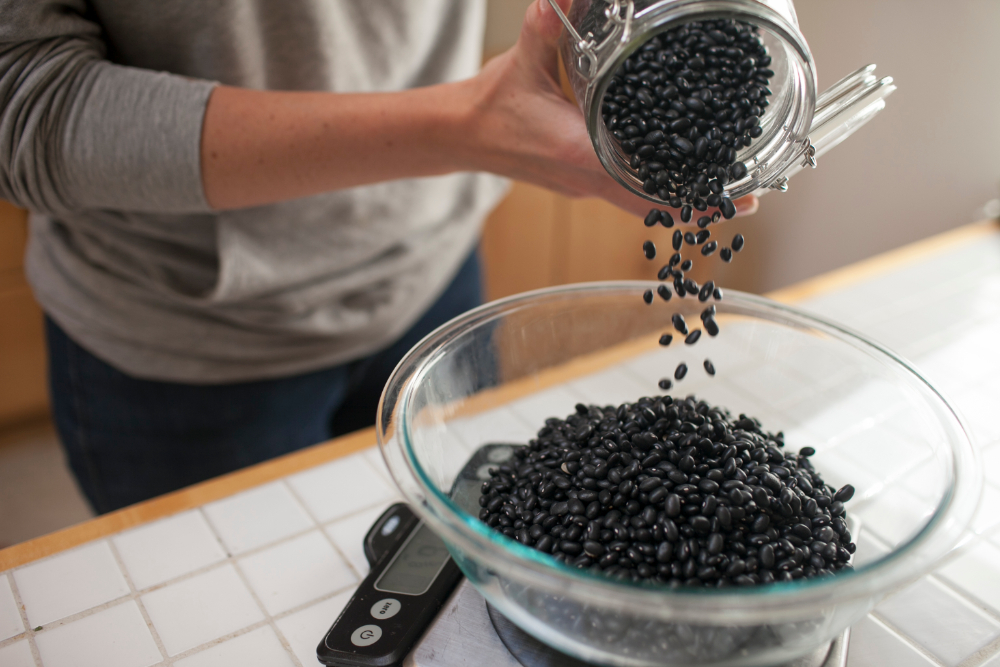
(268, 471)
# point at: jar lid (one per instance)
(840, 111)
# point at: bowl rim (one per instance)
(493, 549)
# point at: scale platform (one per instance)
(465, 632)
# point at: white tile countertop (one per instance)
(257, 577)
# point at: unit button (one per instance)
(386, 608)
(366, 635)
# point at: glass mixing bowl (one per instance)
(495, 373)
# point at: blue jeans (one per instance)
(129, 439)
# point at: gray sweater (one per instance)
(103, 102)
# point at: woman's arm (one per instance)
(512, 119)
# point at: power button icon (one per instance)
(366, 635)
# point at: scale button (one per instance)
(390, 525)
(386, 608)
(366, 635)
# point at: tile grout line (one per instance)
(961, 593)
(268, 619)
(906, 639)
(29, 632)
(322, 527)
(212, 643)
(213, 529)
(291, 611)
(982, 655)
(134, 595)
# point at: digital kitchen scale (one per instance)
(412, 585)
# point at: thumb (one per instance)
(539, 40)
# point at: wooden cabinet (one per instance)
(23, 391)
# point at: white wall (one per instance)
(928, 163)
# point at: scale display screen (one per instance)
(416, 565)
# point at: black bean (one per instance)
(678, 238)
(679, 323)
(738, 242)
(647, 296)
(771, 481)
(689, 238)
(652, 218)
(709, 248)
(686, 266)
(704, 221)
(766, 556)
(702, 236)
(666, 219)
(694, 104)
(727, 208)
(717, 294)
(706, 291)
(666, 339)
(545, 544)
(654, 137)
(702, 524)
(709, 367)
(726, 254)
(807, 451)
(664, 292)
(649, 249)
(681, 371)
(665, 384)
(693, 337)
(683, 145)
(685, 217)
(845, 493)
(570, 547)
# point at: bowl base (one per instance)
(532, 653)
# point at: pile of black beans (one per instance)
(684, 104)
(670, 491)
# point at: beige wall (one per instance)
(928, 163)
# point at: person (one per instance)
(244, 214)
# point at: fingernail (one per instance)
(746, 205)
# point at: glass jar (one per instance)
(798, 126)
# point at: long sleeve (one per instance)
(79, 132)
